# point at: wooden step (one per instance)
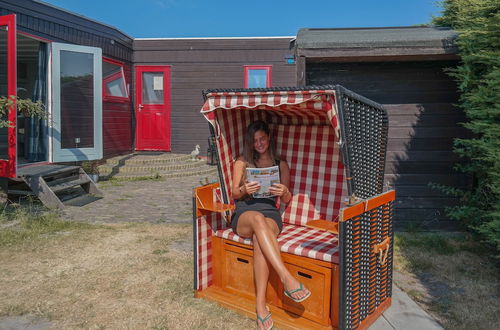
(55, 184)
(69, 184)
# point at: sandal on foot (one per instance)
(301, 288)
(264, 319)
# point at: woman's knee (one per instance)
(259, 223)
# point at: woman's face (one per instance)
(261, 142)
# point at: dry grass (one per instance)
(450, 277)
(116, 276)
(129, 276)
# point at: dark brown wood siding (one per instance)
(45, 21)
(199, 64)
(419, 98)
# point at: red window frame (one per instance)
(269, 75)
(105, 80)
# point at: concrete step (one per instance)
(204, 169)
(107, 169)
(147, 159)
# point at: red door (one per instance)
(153, 107)
(8, 84)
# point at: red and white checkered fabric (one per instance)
(316, 172)
(205, 228)
(298, 240)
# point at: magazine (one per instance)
(266, 177)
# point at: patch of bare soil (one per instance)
(119, 276)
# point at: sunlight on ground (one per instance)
(108, 276)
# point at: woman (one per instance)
(259, 219)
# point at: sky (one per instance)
(251, 18)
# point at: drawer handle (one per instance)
(305, 275)
(242, 260)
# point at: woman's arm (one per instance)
(238, 188)
(281, 189)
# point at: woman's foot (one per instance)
(296, 290)
(264, 320)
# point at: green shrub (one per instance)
(478, 78)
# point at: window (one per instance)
(258, 76)
(114, 87)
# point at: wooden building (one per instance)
(82, 71)
(150, 91)
(403, 69)
(208, 63)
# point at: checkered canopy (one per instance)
(305, 126)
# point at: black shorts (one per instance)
(266, 206)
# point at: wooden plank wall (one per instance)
(419, 98)
(198, 64)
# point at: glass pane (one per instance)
(77, 100)
(3, 90)
(257, 78)
(152, 88)
(114, 81)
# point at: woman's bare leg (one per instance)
(252, 223)
(261, 277)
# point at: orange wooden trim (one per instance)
(369, 320)
(282, 319)
(381, 199)
(334, 302)
(351, 211)
(367, 205)
(325, 225)
(205, 203)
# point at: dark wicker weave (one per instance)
(364, 282)
(364, 128)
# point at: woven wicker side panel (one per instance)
(365, 130)
(366, 279)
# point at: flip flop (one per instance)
(301, 288)
(263, 320)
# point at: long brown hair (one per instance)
(249, 153)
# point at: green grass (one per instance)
(439, 243)
(19, 225)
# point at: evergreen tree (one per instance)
(478, 78)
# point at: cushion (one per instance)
(298, 240)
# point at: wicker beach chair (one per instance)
(338, 232)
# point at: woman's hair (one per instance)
(249, 153)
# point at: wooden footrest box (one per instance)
(233, 273)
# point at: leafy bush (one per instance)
(25, 106)
(478, 78)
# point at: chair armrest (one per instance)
(324, 225)
(206, 201)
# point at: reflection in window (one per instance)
(257, 76)
(113, 80)
(77, 100)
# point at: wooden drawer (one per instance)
(233, 273)
(237, 275)
(238, 271)
(318, 280)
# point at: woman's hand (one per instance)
(251, 187)
(278, 189)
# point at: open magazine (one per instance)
(266, 177)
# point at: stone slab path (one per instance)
(166, 200)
